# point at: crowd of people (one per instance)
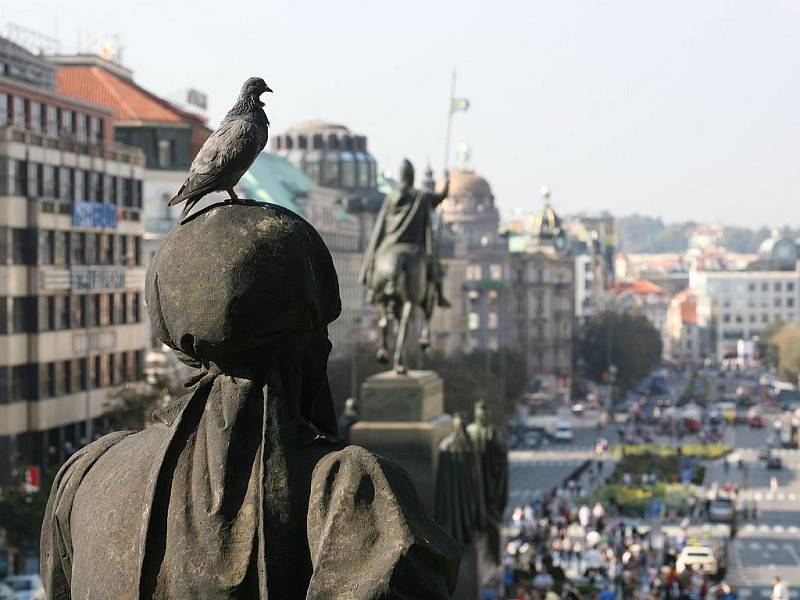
(560, 547)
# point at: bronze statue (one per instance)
(241, 489)
(401, 269)
(493, 456)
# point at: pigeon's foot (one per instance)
(382, 356)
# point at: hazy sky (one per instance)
(688, 109)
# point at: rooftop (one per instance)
(99, 81)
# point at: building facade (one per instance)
(478, 269)
(686, 340)
(740, 305)
(168, 136)
(542, 288)
(71, 272)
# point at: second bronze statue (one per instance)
(401, 269)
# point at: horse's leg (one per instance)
(425, 335)
(383, 325)
(400, 344)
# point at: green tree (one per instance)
(131, 405)
(634, 343)
(786, 342)
(22, 511)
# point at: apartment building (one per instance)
(71, 273)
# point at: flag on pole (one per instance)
(458, 105)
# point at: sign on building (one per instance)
(97, 279)
(94, 214)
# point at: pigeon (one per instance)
(230, 150)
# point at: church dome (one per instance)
(464, 183)
(546, 223)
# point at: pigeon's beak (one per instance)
(266, 89)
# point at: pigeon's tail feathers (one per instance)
(195, 187)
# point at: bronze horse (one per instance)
(401, 270)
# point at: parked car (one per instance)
(697, 557)
(6, 593)
(722, 510)
(563, 432)
(774, 462)
(26, 587)
(755, 421)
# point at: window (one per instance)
(36, 116)
(473, 272)
(3, 385)
(790, 302)
(474, 320)
(3, 315)
(23, 314)
(726, 318)
(105, 309)
(47, 313)
(19, 112)
(789, 286)
(19, 382)
(764, 286)
(60, 248)
(3, 121)
(62, 316)
(51, 128)
(137, 317)
(67, 122)
(46, 247)
(496, 272)
(69, 378)
(777, 302)
(47, 383)
(165, 154)
(82, 127)
(19, 183)
(491, 320)
(751, 287)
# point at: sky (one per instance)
(686, 110)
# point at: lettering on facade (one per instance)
(97, 342)
(94, 214)
(97, 279)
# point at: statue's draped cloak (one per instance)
(206, 530)
(241, 489)
(404, 220)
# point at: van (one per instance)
(700, 558)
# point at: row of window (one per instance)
(777, 286)
(25, 113)
(476, 272)
(29, 179)
(56, 247)
(49, 380)
(35, 314)
(765, 318)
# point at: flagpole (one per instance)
(449, 120)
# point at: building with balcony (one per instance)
(478, 269)
(71, 270)
(542, 291)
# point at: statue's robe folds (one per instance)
(201, 505)
(403, 225)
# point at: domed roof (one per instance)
(468, 182)
(546, 223)
(317, 126)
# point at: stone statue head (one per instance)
(406, 174)
(241, 288)
(351, 407)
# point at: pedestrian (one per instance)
(780, 591)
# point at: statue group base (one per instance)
(403, 419)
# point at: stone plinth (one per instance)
(415, 396)
(402, 419)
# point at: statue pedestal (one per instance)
(477, 565)
(402, 419)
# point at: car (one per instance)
(26, 587)
(562, 432)
(764, 453)
(755, 421)
(722, 510)
(774, 462)
(6, 593)
(532, 440)
(699, 558)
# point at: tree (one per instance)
(767, 349)
(786, 342)
(635, 347)
(467, 377)
(22, 511)
(130, 406)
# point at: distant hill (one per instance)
(643, 234)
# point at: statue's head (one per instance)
(242, 286)
(406, 174)
(480, 412)
(351, 407)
